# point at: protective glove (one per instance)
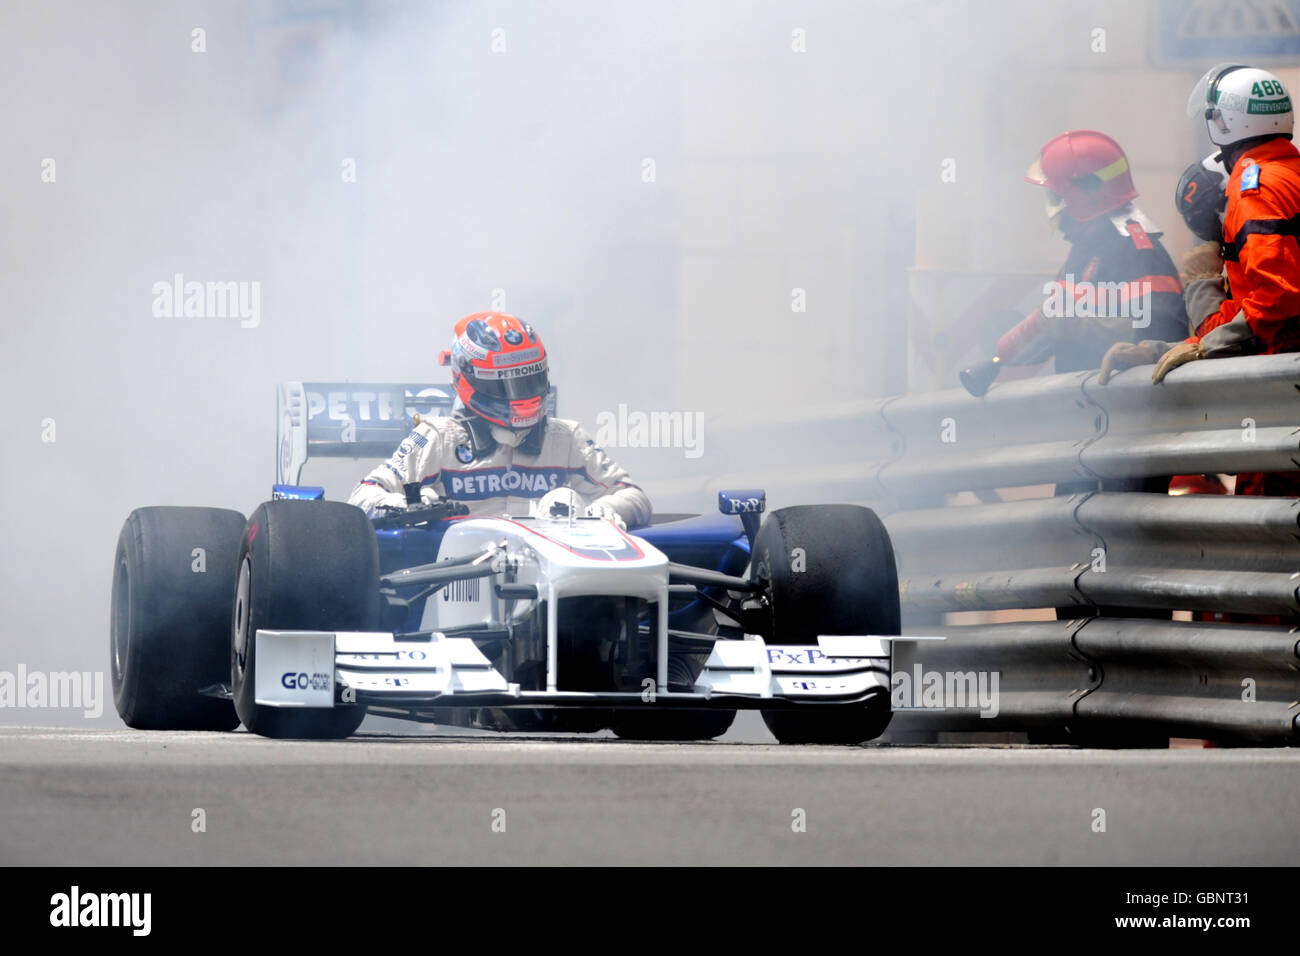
(1124, 355)
(1180, 354)
(1202, 262)
(607, 512)
(429, 497)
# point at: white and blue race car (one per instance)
(307, 615)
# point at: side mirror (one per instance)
(748, 503)
(742, 502)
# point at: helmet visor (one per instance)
(1205, 92)
(1034, 174)
(514, 384)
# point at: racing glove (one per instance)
(385, 502)
(396, 501)
(599, 509)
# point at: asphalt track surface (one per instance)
(121, 797)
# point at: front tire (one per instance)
(303, 566)
(173, 577)
(830, 570)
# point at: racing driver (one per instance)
(499, 447)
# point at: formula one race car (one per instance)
(300, 620)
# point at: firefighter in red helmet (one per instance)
(1118, 282)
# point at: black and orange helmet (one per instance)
(1201, 199)
(499, 369)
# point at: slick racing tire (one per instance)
(645, 723)
(173, 578)
(845, 582)
(303, 566)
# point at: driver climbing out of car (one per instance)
(499, 447)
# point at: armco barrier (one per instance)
(1195, 552)
(1225, 415)
(1117, 676)
(1129, 555)
(1111, 680)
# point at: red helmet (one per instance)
(1086, 172)
(499, 369)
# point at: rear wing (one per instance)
(351, 420)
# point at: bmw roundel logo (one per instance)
(464, 454)
(513, 337)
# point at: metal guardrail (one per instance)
(1061, 428)
(1114, 680)
(1226, 415)
(1115, 677)
(1192, 552)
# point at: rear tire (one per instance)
(303, 566)
(848, 584)
(173, 577)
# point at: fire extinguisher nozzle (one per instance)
(978, 378)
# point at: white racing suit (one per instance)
(458, 459)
